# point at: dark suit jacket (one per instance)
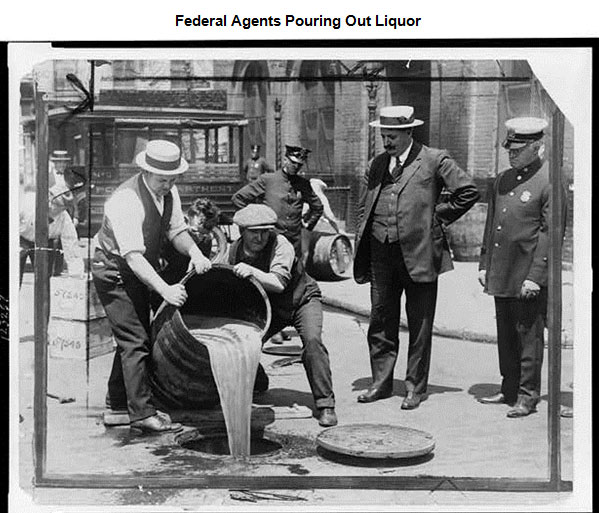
(421, 218)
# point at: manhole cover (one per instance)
(283, 350)
(376, 441)
(218, 445)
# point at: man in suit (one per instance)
(514, 264)
(401, 246)
(285, 192)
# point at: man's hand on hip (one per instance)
(529, 290)
(482, 277)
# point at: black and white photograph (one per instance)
(300, 277)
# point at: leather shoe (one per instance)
(566, 412)
(524, 407)
(497, 398)
(327, 417)
(373, 394)
(156, 424)
(411, 401)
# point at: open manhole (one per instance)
(218, 444)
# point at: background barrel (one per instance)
(181, 375)
(330, 256)
(466, 234)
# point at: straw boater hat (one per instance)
(60, 156)
(162, 158)
(399, 117)
(521, 131)
(255, 216)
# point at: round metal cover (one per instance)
(380, 441)
(283, 350)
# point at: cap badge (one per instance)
(525, 196)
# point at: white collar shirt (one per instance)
(402, 158)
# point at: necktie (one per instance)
(397, 170)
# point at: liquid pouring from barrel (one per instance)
(183, 370)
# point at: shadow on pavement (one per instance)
(399, 387)
(484, 390)
(284, 397)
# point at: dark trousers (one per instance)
(389, 279)
(520, 341)
(127, 304)
(307, 320)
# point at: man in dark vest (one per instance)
(285, 192)
(514, 263)
(401, 246)
(294, 297)
(140, 216)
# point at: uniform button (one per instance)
(518, 177)
(497, 244)
(512, 193)
(504, 209)
(499, 227)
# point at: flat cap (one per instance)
(297, 153)
(255, 216)
(521, 131)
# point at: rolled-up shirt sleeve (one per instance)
(281, 262)
(177, 224)
(125, 213)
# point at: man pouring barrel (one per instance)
(294, 296)
(140, 216)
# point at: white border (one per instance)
(564, 72)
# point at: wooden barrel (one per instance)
(466, 234)
(330, 256)
(181, 375)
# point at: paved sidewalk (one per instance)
(463, 310)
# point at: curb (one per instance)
(440, 331)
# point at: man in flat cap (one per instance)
(294, 296)
(256, 165)
(401, 246)
(140, 216)
(285, 192)
(513, 264)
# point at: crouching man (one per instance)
(294, 296)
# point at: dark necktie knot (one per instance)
(397, 169)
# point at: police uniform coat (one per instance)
(421, 219)
(285, 194)
(516, 237)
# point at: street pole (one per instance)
(372, 89)
(278, 159)
(41, 286)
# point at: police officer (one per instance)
(513, 264)
(294, 296)
(256, 165)
(140, 216)
(285, 192)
